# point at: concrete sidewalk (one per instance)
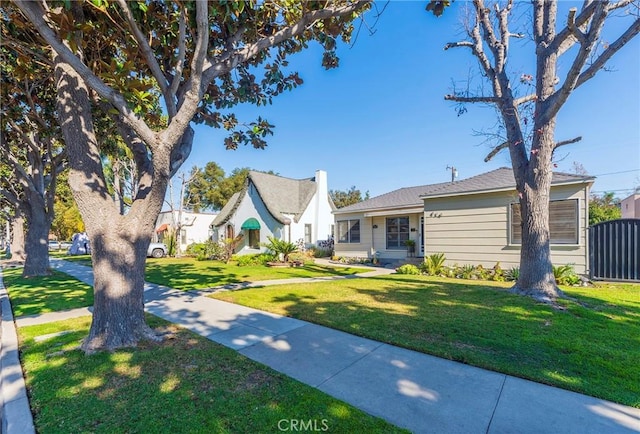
(422, 393)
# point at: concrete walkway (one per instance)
(419, 392)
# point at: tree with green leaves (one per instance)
(345, 198)
(210, 188)
(200, 59)
(603, 208)
(66, 216)
(31, 149)
(528, 102)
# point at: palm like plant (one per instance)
(281, 247)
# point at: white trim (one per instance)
(418, 210)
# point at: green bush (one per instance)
(281, 247)
(319, 252)
(467, 271)
(512, 274)
(253, 259)
(497, 273)
(209, 250)
(302, 257)
(433, 265)
(565, 275)
(407, 269)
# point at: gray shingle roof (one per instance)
(498, 179)
(227, 211)
(280, 195)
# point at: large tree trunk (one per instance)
(17, 236)
(37, 241)
(118, 270)
(536, 272)
(119, 243)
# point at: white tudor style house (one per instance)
(472, 221)
(195, 227)
(294, 210)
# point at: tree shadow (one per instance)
(183, 384)
(581, 349)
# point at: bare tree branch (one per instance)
(472, 99)
(495, 151)
(458, 44)
(566, 39)
(559, 97)
(525, 99)
(567, 142)
(600, 62)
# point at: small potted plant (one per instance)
(411, 247)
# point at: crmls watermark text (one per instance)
(302, 425)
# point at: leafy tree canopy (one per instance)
(210, 188)
(345, 198)
(603, 208)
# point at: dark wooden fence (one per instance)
(614, 250)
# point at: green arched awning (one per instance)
(250, 223)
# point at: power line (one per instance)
(617, 173)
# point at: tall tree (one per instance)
(211, 188)
(603, 208)
(30, 146)
(66, 220)
(201, 58)
(529, 120)
(203, 190)
(345, 198)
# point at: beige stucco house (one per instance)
(630, 206)
(472, 221)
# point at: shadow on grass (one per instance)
(589, 350)
(35, 295)
(185, 384)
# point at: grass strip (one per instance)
(590, 347)
(188, 274)
(186, 384)
(36, 295)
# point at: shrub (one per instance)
(209, 250)
(407, 269)
(319, 252)
(481, 273)
(281, 247)
(433, 264)
(512, 274)
(468, 271)
(565, 275)
(497, 273)
(253, 259)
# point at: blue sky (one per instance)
(379, 122)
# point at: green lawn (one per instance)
(187, 273)
(186, 384)
(592, 347)
(52, 293)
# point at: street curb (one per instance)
(14, 403)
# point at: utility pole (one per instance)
(454, 173)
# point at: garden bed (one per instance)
(285, 264)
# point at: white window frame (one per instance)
(348, 239)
